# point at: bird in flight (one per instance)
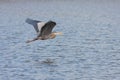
(43, 29)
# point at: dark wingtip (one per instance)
(52, 22)
(31, 21)
(28, 20)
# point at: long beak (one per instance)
(58, 33)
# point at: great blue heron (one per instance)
(44, 30)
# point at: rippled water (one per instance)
(89, 48)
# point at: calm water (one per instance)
(89, 48)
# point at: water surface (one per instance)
(89, 48)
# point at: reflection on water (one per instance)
(89, 49)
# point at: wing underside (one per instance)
(36, 24)
(40, 27)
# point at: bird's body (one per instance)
(44, 30)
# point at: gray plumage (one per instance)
(34, 23)
(41, 28)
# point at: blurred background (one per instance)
(89, 48)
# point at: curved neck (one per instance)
(52, 35)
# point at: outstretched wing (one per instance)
(47, 28)
(39, 27)
(36, 24)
